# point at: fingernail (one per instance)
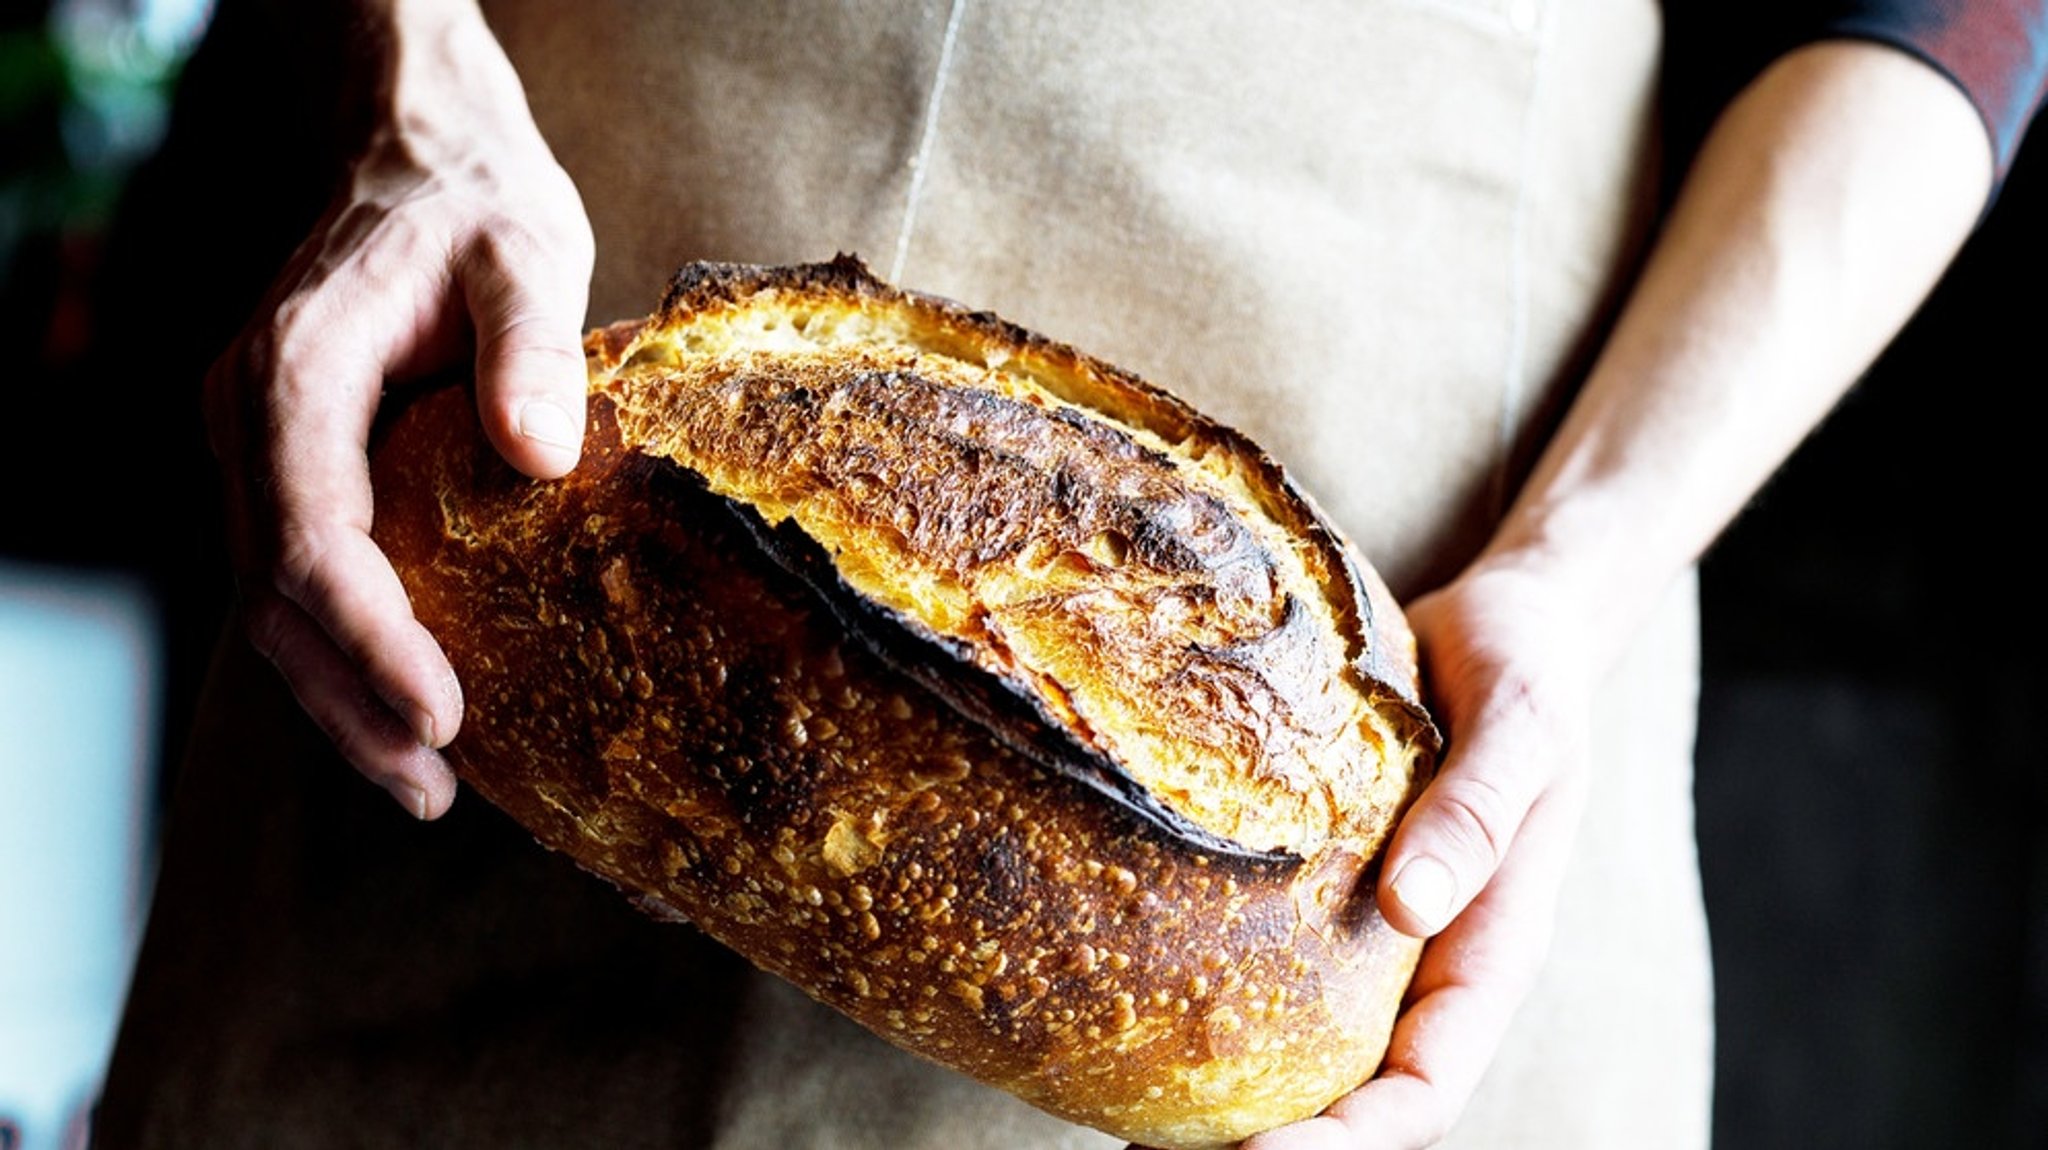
(409, 796)
(1426, 887)
(423, 727)
(544, 421)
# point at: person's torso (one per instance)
(1371, 235)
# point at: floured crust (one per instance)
(984, 691)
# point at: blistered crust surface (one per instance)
(661, 689)
(651, 694)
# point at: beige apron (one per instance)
(1367, 233)
(1375, 236)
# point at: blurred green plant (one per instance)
(84, 96)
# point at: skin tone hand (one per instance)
(457, 240)
(1511, 681)
(1825, 204)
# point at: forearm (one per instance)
(360, 64)
(1824, 205)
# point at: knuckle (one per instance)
(287, 344)
(1476, 816)
(506, 244)
(368, 248)
(1550, 721)
(536, 341)
(1516, 697)
(403, 239)
(540, 247)
(294, 569)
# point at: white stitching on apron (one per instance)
(1516, 369)
(926, 136)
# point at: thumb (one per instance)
(526, 301)
(1455, 837)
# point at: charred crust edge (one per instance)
(1008, 711)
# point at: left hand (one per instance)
(457, 239)
(1477, 863)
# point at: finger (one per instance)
(320, 555)
(526, 299)
(1468, 988)
(336, 574)
(1472, 980)
(366, 732)
(1452, 841)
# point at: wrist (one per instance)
(1597, 578)
(439, 101)
(435, 77)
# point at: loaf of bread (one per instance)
(987, 693)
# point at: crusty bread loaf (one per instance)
(987, 693)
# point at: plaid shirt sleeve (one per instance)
(1996, 51)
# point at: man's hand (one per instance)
(457, 229)
(1481, 855)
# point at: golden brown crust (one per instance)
(680, 673)
(1386, 652)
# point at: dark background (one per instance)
(1872, 808)
(1873, 830)
(1873, 812)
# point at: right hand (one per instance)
(1510, 676)
(457, 230)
